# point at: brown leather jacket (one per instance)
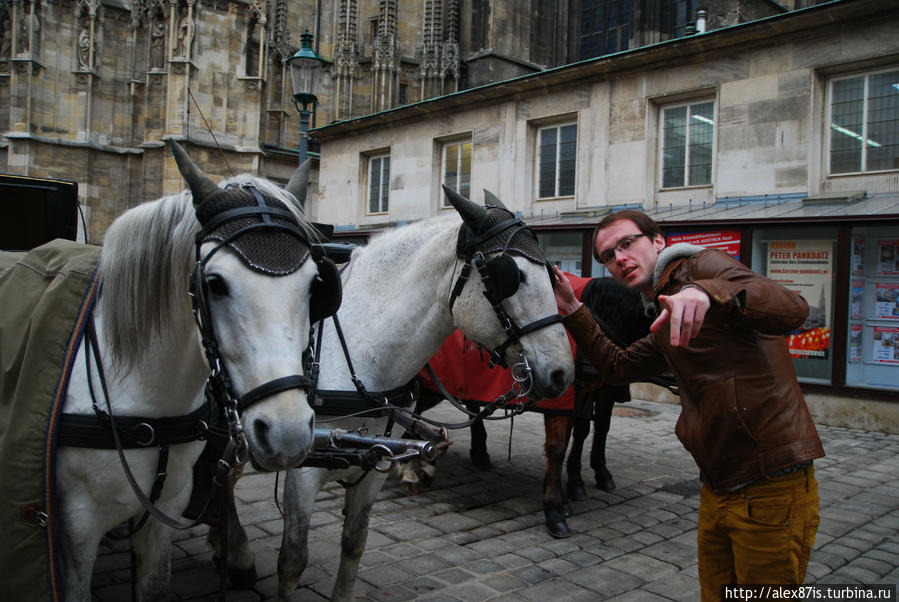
(743, 415)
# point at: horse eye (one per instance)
(217, 285)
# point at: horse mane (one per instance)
(145, 267)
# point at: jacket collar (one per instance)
(666, 257)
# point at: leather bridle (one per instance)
(501, 278)
(221, 386)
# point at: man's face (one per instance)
(633, 267)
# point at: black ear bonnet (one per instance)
(515, 238)
(501, 232)
(267, 237)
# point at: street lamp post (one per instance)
(305, 67)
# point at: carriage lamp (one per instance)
(305, 67)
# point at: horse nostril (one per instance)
(260, 432)
(558, 378)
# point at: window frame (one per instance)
(538, 158)
(828, 123)
(685, 165)
(445, 145)
(384, 198)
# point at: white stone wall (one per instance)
(770, 106)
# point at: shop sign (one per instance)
(727, 241)
(806, 267)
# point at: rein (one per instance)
(148, 502)
(383, 402)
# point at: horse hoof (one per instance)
(566, 509)
(558, 529)
(604, 481)
(480, 460)
(242, 578)
(576, 491)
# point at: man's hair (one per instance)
(644, 223)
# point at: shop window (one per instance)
(378, 183)
(556, 160)
(872, 357)
(864, 122)
(804, 261)
(456, 162)
(564, 249)
(688, 134)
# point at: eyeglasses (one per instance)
(623, 245)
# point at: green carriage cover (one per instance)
(45, 296)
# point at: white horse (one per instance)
(154, 360)
(397, 309)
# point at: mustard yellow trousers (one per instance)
(761, 534)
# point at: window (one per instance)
(872, 355)
(378, 183)
(687, 139)
(676, 16)
(864, 123)
(803, 259)
(605, 27)
(564, 249)
(457, 168)
(556, 158)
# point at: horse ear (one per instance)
(201, 186)
(299, 181)
(491, 199)
(472, 214)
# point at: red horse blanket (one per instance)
(462, 368)
(45, 296)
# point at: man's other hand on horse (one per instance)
(685, 311)
(565, 298)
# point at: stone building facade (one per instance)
(776, 140)
(90, 89)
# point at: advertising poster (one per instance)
(855, 343)
(858, 256)
(886, 303)
(806, 267)
(886, 345)
(728, 241)
(888, 257)
(858, 297)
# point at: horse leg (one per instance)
(78, 554)
(575, 487)
(602, 421)
(359, 501)
(478, 452)
(300, 488)
(152, 548)
(558, 430)
(240, 558)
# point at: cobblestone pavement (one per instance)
(479, 535)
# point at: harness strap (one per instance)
(272, 387)
(497, 355)
(135, 432)
(223, 467)
(263, 211)
(330, 402)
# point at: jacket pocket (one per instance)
(718, 437)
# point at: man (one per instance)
(720, 329)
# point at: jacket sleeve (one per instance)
(747, 298)
(613, 363)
